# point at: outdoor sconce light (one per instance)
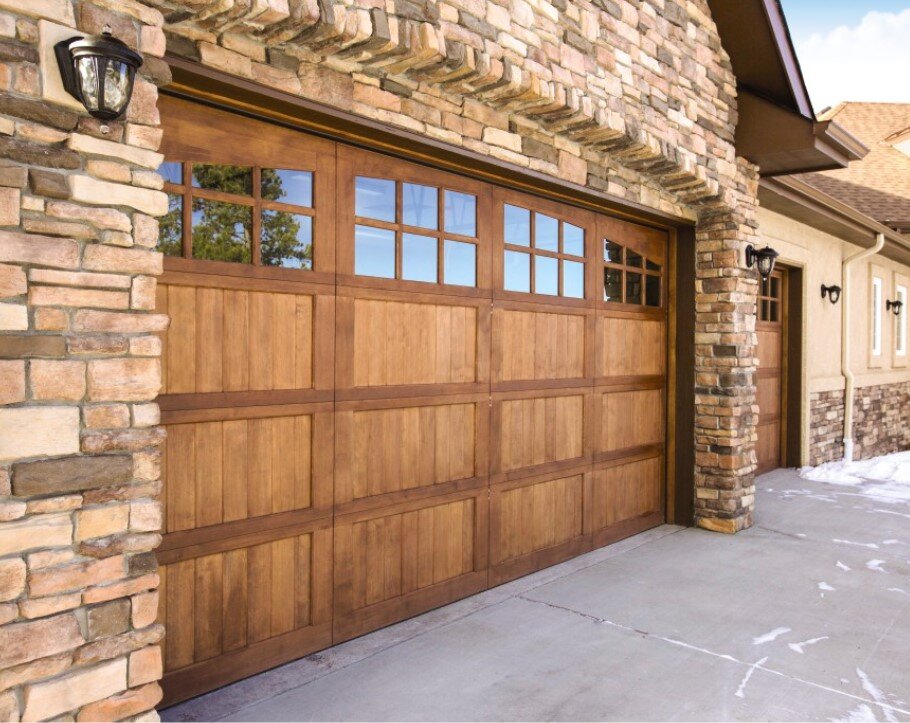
(894, 307)
(98, 71)
(762, 258)
(832, 292)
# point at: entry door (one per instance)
(770, 382)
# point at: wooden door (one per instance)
(770, 378)
(386, 387)
(247, 397)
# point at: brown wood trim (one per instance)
(217, 414)
(629, 454)
(188, 544)
(518, 567)
(626, 528)
(197, 82)
(189, 272)
(206, 400)
(605, 385)
(521, 385)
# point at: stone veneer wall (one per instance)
(881, 420)
(632, 98)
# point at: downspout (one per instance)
(845, 343)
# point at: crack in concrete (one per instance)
(881, 703)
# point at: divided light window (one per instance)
(414, 232)
(629, 277)
(876, 316)
(900, 343)
(769, 299)
(543, 254)
(240, 214)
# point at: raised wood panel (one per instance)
(625, 491)
(631, 347)
(631, 419)
(531, 345)
(397, 554)
(389, 450)
(216, 604)
(767, 446)
(769, 348)
(537, 516)
(223, 471)
(768, 397)
(536, 431)
(400, 343)
(225, 340)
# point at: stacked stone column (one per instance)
(79, 371)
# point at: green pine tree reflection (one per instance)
(223, 231)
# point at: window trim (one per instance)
(900, 322)
(877, 327)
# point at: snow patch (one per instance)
(768, 637)
(741, 690)
(876, 565)
(870, 545)
(798, 647)
(876, 694)
(884, 478)
(825, 586)
(857, 715)
(843, 567)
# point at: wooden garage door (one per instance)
(770, 378)
(386, 387)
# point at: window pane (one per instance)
(170, 227)
(652, 290)
(764, 314)
(633, 259)
(227, 179)
(287, 186)
(287, 240)
(222, 231)
(651, 266)
(633, 288)
(374, 252)
(573, 279)
(418, 257)
(460, 263)
(775, 287)
(374, 198)
(573, 240)
(171, 172)
(517, 225)
(612, 252)
(612, 285)
(517, 271)
(546, 232)
(773, 316)
(546, 275)
(460, 213)
(419, 205)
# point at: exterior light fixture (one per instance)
(894, 307)
(832, 292)
(98, 71)
(762, 258)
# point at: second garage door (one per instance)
(386, 387)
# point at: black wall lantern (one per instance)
(762, 258)
(98, 71)
(832, 292)
(894, 307)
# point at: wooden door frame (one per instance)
(793, 368)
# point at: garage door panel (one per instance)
(769, 347)
(631, 346)
(629, 419)
(389, 450)
(625, 490)
(530, 345)
(394, 562)
(538, 429)
(535, 523)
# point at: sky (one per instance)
(852, 49)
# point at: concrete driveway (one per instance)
(804, 617)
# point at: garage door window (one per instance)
(543, 254)
(630, 277)
(414, 232)
(239, 214)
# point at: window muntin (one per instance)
(630, 277)
(238, 214)
(542, 254)
(414, 232)
(769, 299)
(900, 324)
(876, 316)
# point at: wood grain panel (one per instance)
(535, 431)
(630, 419)
(400, 343)
(533, 345)
(625, 491)
(769, 347)
(538, 516)
(631, 347)
(225, 471)
(223, 340)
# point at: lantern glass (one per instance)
(765, 265)
(118, 82)
(87, 73)
(834, 294)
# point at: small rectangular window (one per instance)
(222, 231)
(900, 346)
(374, 252)
(418, 257)
(460, 263)
(517, 271)
(876, 316)
(374, 198)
